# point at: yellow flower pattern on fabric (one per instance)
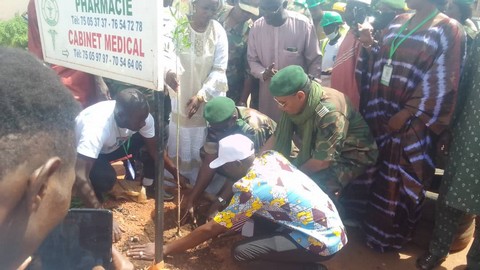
(225, 219)
(278, 202)
(242, 188)
(256, 204)
(250, 175)
(314, 242)
(305, 217)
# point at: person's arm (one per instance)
(247, 89)
(234, 216)
(205, 176)
(256, 67)
(313, 55)
(198, 236)
(151, 145)
(331, 133)
(84, 189)
(216, 83)
(83, 185)
(225, 195)
(269, 144)
(312, 166)
(119, 261)
(101, 88)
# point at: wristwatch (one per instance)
(222, 201)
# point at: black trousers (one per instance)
(270, 248)
(103, 175)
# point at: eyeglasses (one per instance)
(263, 10)
(280, 103)
(283, 103)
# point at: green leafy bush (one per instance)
(14, 32)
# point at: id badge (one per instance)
(386, 74)
(130, 169)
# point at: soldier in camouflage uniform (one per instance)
(335, 143)
(237, 21)
(225, 119)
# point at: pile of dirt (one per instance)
(135, 218)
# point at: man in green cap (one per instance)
(278, 39)
(335, 143)
(316, 8)
(331, 23)
(225, 119)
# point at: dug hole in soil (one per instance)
(136, 219)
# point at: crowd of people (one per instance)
(294, 117)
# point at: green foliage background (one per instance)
(14, 32)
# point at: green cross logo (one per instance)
(50, 12)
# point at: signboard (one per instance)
(118, 39)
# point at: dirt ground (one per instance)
(135, 218)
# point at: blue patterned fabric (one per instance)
(276, 190)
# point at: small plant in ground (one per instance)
(14, 32)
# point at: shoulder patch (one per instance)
(322, 111)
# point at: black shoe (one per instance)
(429, 261)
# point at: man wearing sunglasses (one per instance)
(225, 119)
(335, 143)
(278, 39)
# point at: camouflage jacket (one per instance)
(251, 123)
(237, 68)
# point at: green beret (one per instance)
(288, 81)
(218, 109)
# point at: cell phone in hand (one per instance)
(82, 241)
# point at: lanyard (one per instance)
(394, 47)
(128, 146)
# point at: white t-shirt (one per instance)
(328, 59)
(98, 133)
(330, 54)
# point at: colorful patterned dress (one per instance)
(426, 72)
(274, 189)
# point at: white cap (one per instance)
(232, 148)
